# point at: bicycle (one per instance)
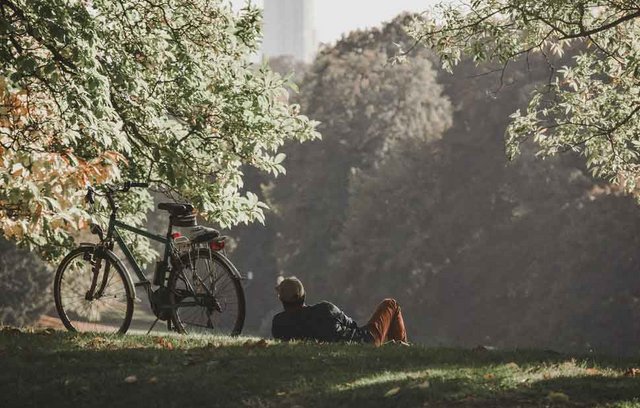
(198, 288)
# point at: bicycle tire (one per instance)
(177, 294)
(119, 297)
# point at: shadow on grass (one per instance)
(563, 391)
(62, 369)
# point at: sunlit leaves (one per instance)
(96, 92)
(589, 106)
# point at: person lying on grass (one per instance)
(325, 322)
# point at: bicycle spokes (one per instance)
(206, 296)
(92, 295)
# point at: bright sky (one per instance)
(334, 17)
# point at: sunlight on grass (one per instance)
(166, 340)
(249, 371)
(388, 377)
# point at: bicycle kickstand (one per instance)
(153, 325)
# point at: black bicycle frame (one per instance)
(113, 232)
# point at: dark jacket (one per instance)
(322, 322)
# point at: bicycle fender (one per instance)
(115, 260)
(228, 263)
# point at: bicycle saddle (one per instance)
(176, 209)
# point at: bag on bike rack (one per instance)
(188, 220)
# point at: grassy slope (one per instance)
(62, 369)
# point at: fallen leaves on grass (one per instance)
(96, 342)
(513, 366)
(632, 372)
(393, 391)
(423, 385)
(136, 345)
(558, 397)
(262, 343)
(132, 379)
(482, 349)
(10, 330)
(255, 402)
(153, 380)
(592, 371)
(162, 342)
(489, 376)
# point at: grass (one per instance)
(57, 369)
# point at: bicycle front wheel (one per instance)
(206, 295)
(91, 293)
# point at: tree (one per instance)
(25, 284)
(590, 105)
(531, 253)
(100, 91)
(365, 105)
(254, 252)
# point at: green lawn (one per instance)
(47, 369)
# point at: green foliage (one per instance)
(25, 285)
(101, 91)
(365, 105)
(588, 106)
(478, 250)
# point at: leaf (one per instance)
(393, 391)
(164, 343)
(279, 158)
(10, 330)
(558, 397)
(262, 343)
(132, 379)
(632, 372)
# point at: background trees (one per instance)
(25, 284)
(527, 253)
(365, 105)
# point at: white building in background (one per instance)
(289, 29)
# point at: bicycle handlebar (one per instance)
(110, 190)
(136, 184)
(132, 184)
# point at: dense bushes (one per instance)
(25, 285)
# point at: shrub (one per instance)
(25, 285)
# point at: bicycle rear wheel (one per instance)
(91, 293)
(206, 295)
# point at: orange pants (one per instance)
(386, 323)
